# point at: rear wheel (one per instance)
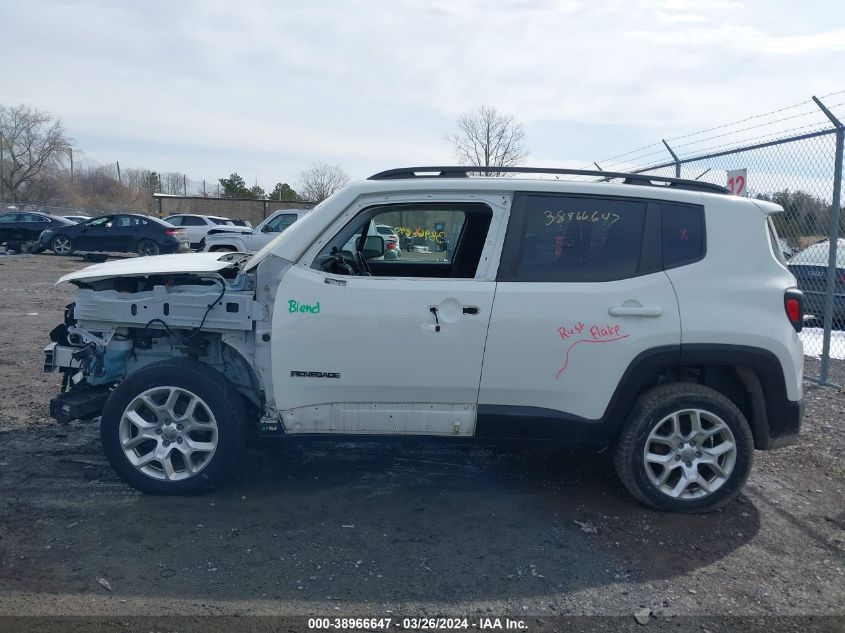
(173, 427)
(61, 245)
(684, 448)
(147, 248)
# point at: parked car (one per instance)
(810, 269)
(19, 231)
(594, 284)
(197, 226)
(391, 239)
(77, 218)
(246, 240)
(116, 233)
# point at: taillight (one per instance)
(175, 232)
(391, 246)
(793, 302)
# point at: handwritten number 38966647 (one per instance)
(607, 217)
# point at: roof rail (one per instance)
(463, 171)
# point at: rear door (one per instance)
(31, 225)
(127, 231)
(9, 223)
(581, 293)
(195, 227)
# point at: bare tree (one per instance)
(489, 138)
(320, 181)
(33, 143)
(172, 183)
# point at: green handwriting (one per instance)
(303, 308)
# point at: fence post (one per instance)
(675, 158)
(834, 243)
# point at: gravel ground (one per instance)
(376, 528)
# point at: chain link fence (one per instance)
(802, 171)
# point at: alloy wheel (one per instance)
(690, 454)
(168, 433)
(61, 245)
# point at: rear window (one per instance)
(775, 243)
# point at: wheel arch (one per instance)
(229, 242)
(750, 377)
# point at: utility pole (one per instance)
(203, 187)
(119, 180)
(2, 184)
(185, 185)
(71, 165)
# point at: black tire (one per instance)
(147, 248)
(650, 409)
(220, 397)
(57, 245)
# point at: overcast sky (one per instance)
(265, 88)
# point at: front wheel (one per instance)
(147, 247)
(173, 427)
(61, 245)
(684, 448)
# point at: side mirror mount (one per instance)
(373, 247)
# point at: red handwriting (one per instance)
(598, 334)
(566, 333)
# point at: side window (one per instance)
(420, 235)
(176, 220)
(103, 222)
(684, 237)
(574, 239)
(129, 220)
(32, 217)
(9, 217)
(189, 220)
(280, 223)
(439, 240)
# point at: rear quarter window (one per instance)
(684, 237)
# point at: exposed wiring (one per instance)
(197, 329)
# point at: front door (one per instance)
(395, 351)
(95, 235)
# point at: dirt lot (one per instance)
(372, 528)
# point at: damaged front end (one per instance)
(81, 363)
(122, 322)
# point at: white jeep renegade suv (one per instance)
(621, 312)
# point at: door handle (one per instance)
(636, 311)
(472, 310)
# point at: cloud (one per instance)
(265, 88)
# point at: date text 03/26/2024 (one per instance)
(416, 624)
